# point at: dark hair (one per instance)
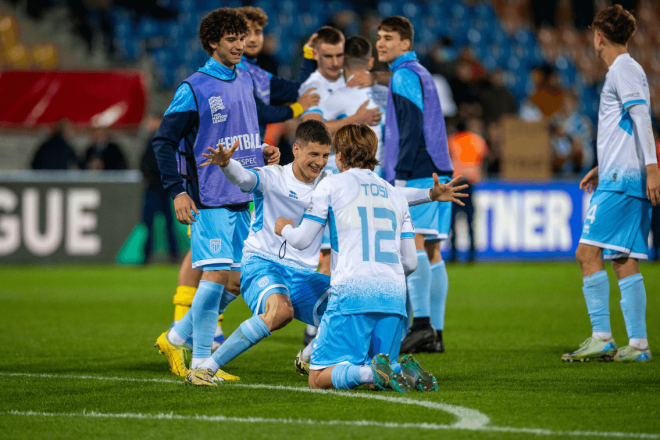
(312, 131)
(328, 35)
(216, 24)
(357, 52)
(616, 24)
(357, 144)
(254, 14)
(400, 25)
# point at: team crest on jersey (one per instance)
(263, 282)
(216, 245)
(216, 104)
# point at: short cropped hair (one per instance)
(254, 14)
(357, 144)
(400, 25)
(312, 131)
(357, 52)
(216, 24)
(329, 35)
(616, 24)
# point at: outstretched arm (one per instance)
(232, 169)
(440, 192)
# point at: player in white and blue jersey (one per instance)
(277, 282)
(372, 252)
(627, 185)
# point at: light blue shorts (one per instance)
(355, 339)
(217, 237)
(262, 276)
(619, 224)
(431, 219)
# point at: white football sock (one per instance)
(174, 338)
(366, 374)
(307, 352)
(197, 362)
(605, 336)
(218, 331)
(639, 343)
(210, 363)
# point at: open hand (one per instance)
(447, 192)
(367, 116)
(220, 156)
(589, 183)
(653, 184)
(281, 223)
(309, 99)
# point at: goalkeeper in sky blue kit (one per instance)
(627, 185)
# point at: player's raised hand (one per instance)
(589, 183)
(361, 80)
(281, 223)
(447, 192)
(220, 156)
(312, 41)
(653, 184)
(271, 154)
(184, 207)
(367, 116)
(309, 99)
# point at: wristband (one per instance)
(297, 109)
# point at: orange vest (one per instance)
(467, 151)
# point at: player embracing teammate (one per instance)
(626, 184)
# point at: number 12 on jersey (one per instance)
(380, 257)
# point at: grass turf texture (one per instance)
(507, 327)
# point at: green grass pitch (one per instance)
(77, 361)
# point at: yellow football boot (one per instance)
(175, 355)
(201, 377)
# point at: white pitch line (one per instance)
(469, 419)
(355, 423)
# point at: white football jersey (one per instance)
(346, 101)
(620, 155)
(324, 88)
(367, 218)
(278, 193)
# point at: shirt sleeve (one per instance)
(179, 121)
(408, 229)
(408, 107)
(318, 208)
(269, 114)
(415, 196)
(323, 95)
(302, 236)
(629, 85)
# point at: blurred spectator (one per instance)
(467, 149)
(463, 88)
(548, 95)
(103, 153)
(443, 57)
(266, 58)
(566, 151)
(444, 93)
(494, 142)
(496, 100)
(545, 12)
(578, 127)
(156, 198)
(56, 153)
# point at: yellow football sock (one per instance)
(220, 318)
(183, 300)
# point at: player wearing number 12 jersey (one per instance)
(627, 183)
(371, 235)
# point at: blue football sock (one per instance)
(439, 289)
(204, 311)
(596, 291)
(225, 299)
(419, 287)
(346, 376)
(249, 333)
(184, 327)
(408, 319)
(396, 367)
(633, 305)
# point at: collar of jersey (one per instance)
(620, 57)
(217, 70)
(403, 58)
(288, 169)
